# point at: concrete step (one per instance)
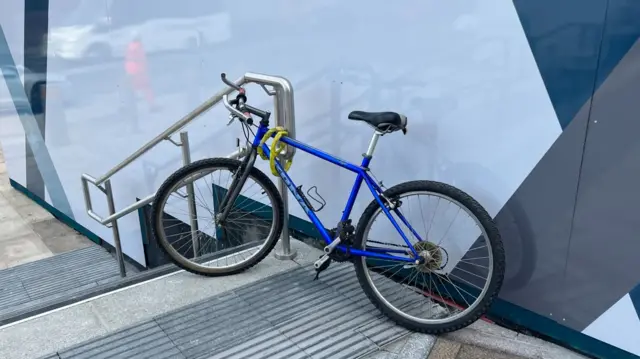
(273, 310)
(28, 288)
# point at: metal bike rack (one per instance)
(284, 112)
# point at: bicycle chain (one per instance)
(390, 244)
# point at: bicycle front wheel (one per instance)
(190, 231)
(459, 267)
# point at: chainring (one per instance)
(346, 240)
(339, 256)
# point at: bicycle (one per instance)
(445, 279)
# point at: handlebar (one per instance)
(233, 110)
(257, 112)
(231, 84)
(238, 106)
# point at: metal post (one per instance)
(285, 252)
(114, 228)
(284, 111)
(193, 214)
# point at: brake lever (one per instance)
(231, 118)
(232, 110)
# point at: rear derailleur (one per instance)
(343, 234)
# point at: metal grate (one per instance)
(285, 316)
(63, 275)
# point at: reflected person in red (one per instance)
(138, 72)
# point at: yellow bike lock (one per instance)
(276, 148)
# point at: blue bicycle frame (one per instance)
(361, 175)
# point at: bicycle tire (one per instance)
(231, 165)
(494, 238)
(519, 272)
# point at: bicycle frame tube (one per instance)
(361, 176)
(241, 177)
(236, 184)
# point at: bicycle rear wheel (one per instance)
(443, 292)
(215, 248)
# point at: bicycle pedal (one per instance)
(321, 265)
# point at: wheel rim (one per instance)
(243, 226)
(431, 321)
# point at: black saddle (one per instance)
(386, 122)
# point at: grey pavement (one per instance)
(446, 349)
(282, 294)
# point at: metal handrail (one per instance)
(284, 109)
(285, 117)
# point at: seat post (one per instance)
(372, 144)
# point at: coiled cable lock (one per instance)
(276, 148)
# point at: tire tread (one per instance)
(259, 176)
(494, 238)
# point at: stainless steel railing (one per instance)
(284, 112)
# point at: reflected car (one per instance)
(36, 93)
(90, 32)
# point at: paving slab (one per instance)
(66, 243)
(33, 213)
(22, 248)
(13, 228)
(499, 339)
(474, 352)
(65, 327)
(17, 199)
(445, 349)
(28, 232)
(7, 212)
(51, 228)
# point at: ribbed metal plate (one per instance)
(62, 275)
(285, 316)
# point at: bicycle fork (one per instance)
(239, 179)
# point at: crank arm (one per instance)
(317, 264)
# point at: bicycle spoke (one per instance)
(249, 221)
(444, 286)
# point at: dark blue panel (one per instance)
(579, 46)
(621, 32)
(635, 298)
(36, 24)
(566, 36)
